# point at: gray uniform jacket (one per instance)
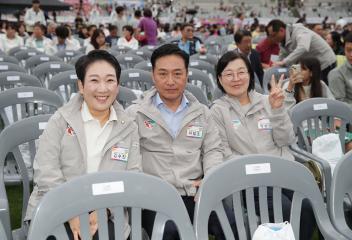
(301, 41)
(257, 130)
(340, 82)
(62, 150)
(188, 156)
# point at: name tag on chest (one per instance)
(119, 154)
(195, 131)
(264, 124)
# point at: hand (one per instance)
(278, 64)
(75, 228)
(93, 223)
(196, 184)
(276, 96)
(295, 77)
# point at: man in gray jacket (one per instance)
(178, 137)
(340, 79)
(297, 41)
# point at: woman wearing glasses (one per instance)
(250, 122)
(253, 123)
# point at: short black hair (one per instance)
(128, 28)
(167, 50)
(348, 38)
(240, 34)
(147, 12)
(62, 32)
(119, 9)
(183, 26)
(91, 26)
(276, 24)
(225, 60)
(35, 2)
(112, 27)
(93, 39)
(11, 25)
(41, 26)
(93, 56)
(138, 13)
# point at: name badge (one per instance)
(119, 154)
(195, 131)
(264, 124)
(236, 123)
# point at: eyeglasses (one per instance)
(230, 75)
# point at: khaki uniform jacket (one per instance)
(62, 151)
(260, 130)
(301, 41)
(340, 82)
(183, 158)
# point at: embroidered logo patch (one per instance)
(70, 131)
(149, 124)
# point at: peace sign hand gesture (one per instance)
(276, 96)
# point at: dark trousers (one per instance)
(170, 231)
(325, 72)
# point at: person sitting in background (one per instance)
(340, 79)
(83, 32)
(188, 43)
(61, 42)
(10, 39)
(113, 37)
(97, 41)
(306, 83)
(243, 40)
(334, 40)
(128, 40)
(70, 38)
(176, 32)
(50, 30)
(268, 51)
(91, 29)
(22, 30)
(38, 40)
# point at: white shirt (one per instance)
(31, 17)
(6, 44)
(32, 42)
(133, 43)
(96, 136)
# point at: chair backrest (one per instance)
(239, 177)
(67, 55)
(340, 191)
(36, 60)
(16, 79)
(75, 59)
(148, 47)
(277, 71)
(315, 117)
(25, 131)
(200, 79)
(14, 50)
(205, 67)
(145, 65)
(128, 61)
(47, 70)
(23, 55)
(6, 66)
(205, 57)
(121, 49)
(217, 94)
(116, 191)
(64, 84)
(23, 102)
(10, 59)
(125, 96)
(143, 53)
(198, 93)
(136, 79)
